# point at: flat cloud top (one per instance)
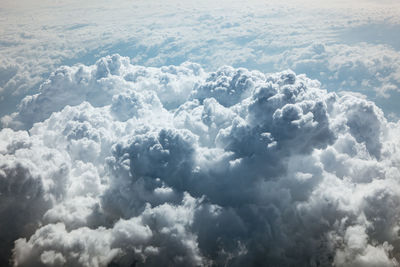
(39, 36)
(115, 164)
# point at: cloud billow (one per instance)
(116, 164)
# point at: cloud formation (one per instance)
(116, 164)
(38, 36)
(364, 67)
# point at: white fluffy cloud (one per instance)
(116, 164)
(111, 80)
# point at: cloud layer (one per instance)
(116, 164)
(37, 36)
(342, 67)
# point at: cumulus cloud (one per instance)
(110, 80)
(115, 164)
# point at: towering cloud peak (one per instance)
(116, 165)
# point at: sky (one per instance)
(199, 133)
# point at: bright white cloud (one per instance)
(185, 167)
(229, 161)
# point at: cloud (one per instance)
(38, 37)
(363, 67)
(119, 164)
(111, 79)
